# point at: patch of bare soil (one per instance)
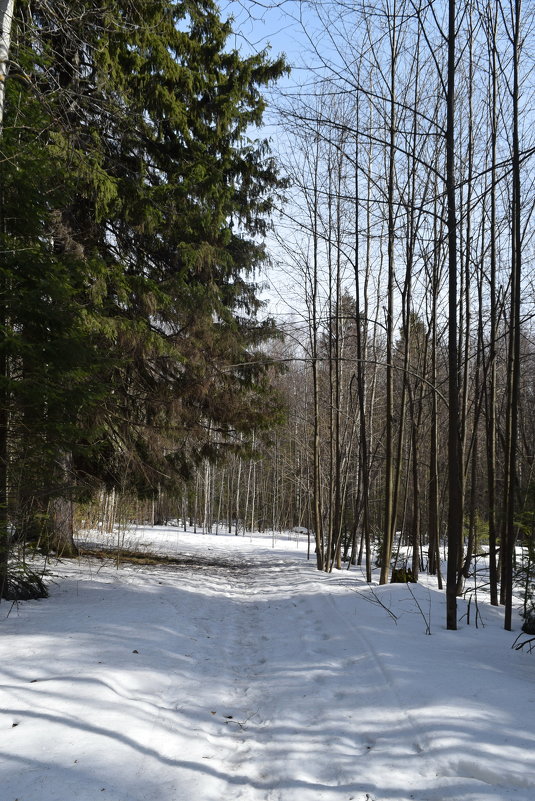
(156, 559)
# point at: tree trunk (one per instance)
(6, 21)
(491, 394)
(4, 418)
(455, 466)
(60, 537)
(514, 334)
(6, 18)
(390, 510)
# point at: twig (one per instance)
(240, 723)
(426, 620)
(518, 646)
(377, 600)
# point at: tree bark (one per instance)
(455, 466)
(61, 512)
(6, 22)
(491, 394)
(514, 334)
(390, 510)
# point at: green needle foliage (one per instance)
(133, 206)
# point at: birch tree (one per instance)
(6, 21)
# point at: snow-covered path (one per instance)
(245, 674)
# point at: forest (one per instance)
(389, 411)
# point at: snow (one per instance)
(244, 673)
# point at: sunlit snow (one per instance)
(244, 673)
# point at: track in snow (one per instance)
(298, 707)
(249, 677)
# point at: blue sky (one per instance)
(258, 26)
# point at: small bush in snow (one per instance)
(528, 625)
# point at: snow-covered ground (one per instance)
(244, 673)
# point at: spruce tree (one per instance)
(133, 209)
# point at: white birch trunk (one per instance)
(6, 20)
